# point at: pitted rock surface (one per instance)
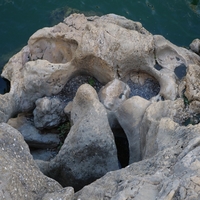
(106, 48)
(164, 150)
(89, 150)
(20, 177)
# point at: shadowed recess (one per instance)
(180, 71)
(4, 86)
(158, 67)
(122, 145)
(143, 85)
(69, 91)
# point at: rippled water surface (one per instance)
(177, 20)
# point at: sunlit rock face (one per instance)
(150, 97)
(104, 47)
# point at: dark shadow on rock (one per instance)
(4, 86)
(122, 145)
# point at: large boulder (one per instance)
(89, 150)
(20, 177)
(172, 173)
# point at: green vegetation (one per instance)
(186, 101)
(91, 81)
(63, 132)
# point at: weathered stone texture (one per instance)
(164, 154)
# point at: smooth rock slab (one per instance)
(32, 135)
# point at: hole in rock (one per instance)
(69, 90)
(143, 85)
(4, 86)
(180, 71)
(54, 50)
(158, 67)
(122, 145)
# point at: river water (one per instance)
(176, 20)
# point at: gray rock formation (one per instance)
(192, 80)
(20, 178)
(48, 113)
(172, 173)
(32, 135)
(164, 154)
(104, 47)
(89, 150)
(130, 115)
(111, 96)
(195, 46)
(64, 194)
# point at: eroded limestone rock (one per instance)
(111, 96)
(48, 113)
(106, 48)
(130, 115)
(89, 150)
(195, 46)
(149, 124)
(33, 137)
(192, 79)
(20, 177)
(172, 173)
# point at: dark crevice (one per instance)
(4, 86)
(148, 89)
(118, 74)
(157, 66)
(122, 145)
(180, 71)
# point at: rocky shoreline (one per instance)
(99, 108)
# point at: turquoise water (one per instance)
(177, 20)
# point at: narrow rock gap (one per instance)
(122, 145)
(157, 66)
